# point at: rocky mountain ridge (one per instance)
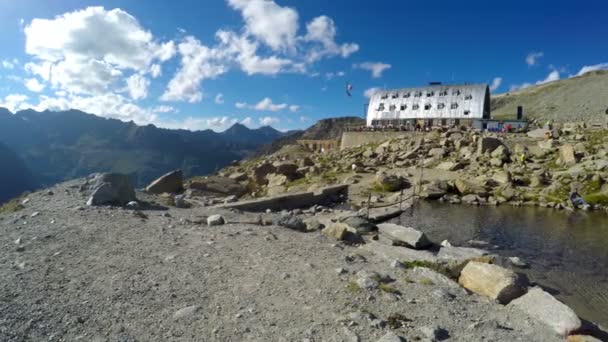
(56, 146)
(581, 98)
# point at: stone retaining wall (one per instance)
(290, 201)
(354, 139)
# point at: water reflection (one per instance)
(567, 251)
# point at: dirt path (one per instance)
(106, 274)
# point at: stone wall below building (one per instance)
(354, 139)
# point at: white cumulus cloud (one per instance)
(533, 57)
(371, 91)
(248, 121)
(87, 51)
(272, 24)
(269, 120)
(32, 84)
(138, 86)
(219, 98)
(323, 30)
(267, 104)
(552, 76)
(376, 68)
(14, 102)
(197, 64)
(496, 82)
(588, 68)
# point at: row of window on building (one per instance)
(428, 94)
(413, 122)
(416, 106)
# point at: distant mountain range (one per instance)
(15, 177)
(51, 147)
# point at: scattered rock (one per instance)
(291, 222)
(543, 307)
(516, 261)
(261, 171)
(406, 235)
(218, 185)
(337, 231)
(390, 182)
(215, 220)
(567, 155)
(487, 144)
(110, 188)
(180, 201)
(367, 283)
(133, 205)
(492, 281)
(187, 312)
(238, 176)
(359, 225)
(171, 182)
(390, 337)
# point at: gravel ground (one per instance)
(77, 273)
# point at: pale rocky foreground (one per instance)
(71, 272)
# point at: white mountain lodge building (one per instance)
(433, 105)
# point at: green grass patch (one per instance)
(383, 188)
(352, 287)
(426, 281)
(298, 182)
(11, 206)
(600, 198)
(389, 289)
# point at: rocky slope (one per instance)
(73, 272)
(455, 166)
(56, 146)
(581, 98)
(325, 129)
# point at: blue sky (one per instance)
(209, 64)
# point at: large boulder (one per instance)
(567, 154)
(110, 188)
(291, 222)
(543, 307)
(261, 171)
(404, 235)
(468, 187)
(539, 133)
(501, 152)
(492, 281)
(337, 231)
(390, 253)
(437, 152)
(359, 225)
(172, 182)
(390, 182)
(238, 176)
(218, 185)
(449, 166)
(460, 254)
(487, 144)
(276, 179)
(286, 168)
